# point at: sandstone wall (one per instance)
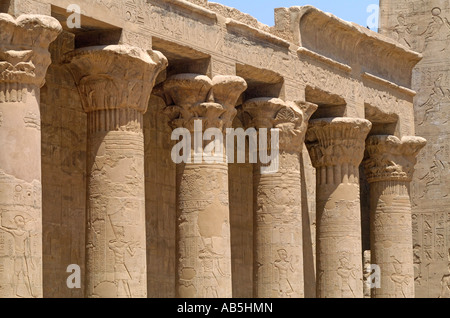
(424, 27)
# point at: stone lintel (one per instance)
(349, 43)
(242, 28)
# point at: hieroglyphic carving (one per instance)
(203, 220)
(278, 223)
(134, 10)
(29, 7)
(336, 147)
(32, 121)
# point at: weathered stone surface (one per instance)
(423, 26)
(225, 68)
(203, 217)
(24, 59)
(278, 235)
(336, 146)
(115, 83)
(389, 168)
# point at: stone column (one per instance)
(203, 221)
(115, 83)
(389, 169)
(24, 59)
(278, 243)
(336, 147)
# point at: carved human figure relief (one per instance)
(210, 260)
(437, 31)
(121, 248)
(22, 256)
(432, 106)
(347, 273)
(284, 265)
(400, 280)
(404, 31)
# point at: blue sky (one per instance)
(350, 10)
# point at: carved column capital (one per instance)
(115, 76)
(388, 158)
(336, 141)
(291, 118)
(24, 56)
(191, 97)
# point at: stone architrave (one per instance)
(389, 167)
(203, 216)
(24, 59)
(278, 242)
(336, 147)
(115, 83)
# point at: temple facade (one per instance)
(298, 145)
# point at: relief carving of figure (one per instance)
(445, 284)
(437, 96)
(404, 31)
(399, 279)
(22, 254)
(211, 264)
(283, 264)
(348, 277)
(437, 31)
(120, 247)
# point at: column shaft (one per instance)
(391, 238)
(203, 213)
(278, 241)
(115, 83)
(338, 228)
(389, 168)
(204, 254)
(278, 271)
(336, 146)
(24, 60)
(116, 256)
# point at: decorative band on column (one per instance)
(14, 92)
(334, 175)
(126, 119)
